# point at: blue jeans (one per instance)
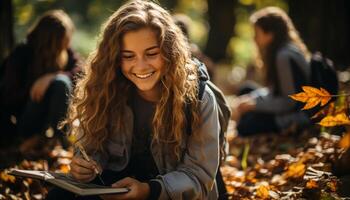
(38, 116)
(252, 123)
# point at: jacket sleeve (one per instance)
(194, 177)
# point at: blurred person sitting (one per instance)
(38, 79)
(285, 62)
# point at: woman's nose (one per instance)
(140, 63)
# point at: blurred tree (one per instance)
(169, 5)
(6, 33)
(221, 18)
(325, 27)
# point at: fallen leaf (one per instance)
(332, 185)
(7, 178)
(339, 119)
(64, 169)
(311, 184)
(263, 192)
(345, 141)
(296, 170)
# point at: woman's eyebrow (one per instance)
(127, 51)
(153, 47)
(149, 48)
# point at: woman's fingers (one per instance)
(84, 163)
(82, 170)
(125, 182)
(33, 92)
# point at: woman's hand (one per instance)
(138, 190)
(246, 104)
(242, 105)
(40, 86)
(83, 170)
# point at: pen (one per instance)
(86, 157)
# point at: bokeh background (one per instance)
(220, 28)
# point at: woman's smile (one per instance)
(144, 76)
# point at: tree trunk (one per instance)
(169, 5)
(6, 33)
(324, 26)
(221, 21)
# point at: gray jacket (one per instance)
(282, 105)
(191, 178)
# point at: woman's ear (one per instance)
(269, 37)
(66, 42)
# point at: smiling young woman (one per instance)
(142, 62)
(131, 108)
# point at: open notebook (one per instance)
(68, 183)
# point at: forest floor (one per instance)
(288, 166)
(307, 165)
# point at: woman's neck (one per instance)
(151, 95)
(62, 59)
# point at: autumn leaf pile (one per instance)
(303, 170)
(331, 114)
(12, 187)
(289, 166)
(283, 168)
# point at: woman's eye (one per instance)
(127, 57)
(152, 54)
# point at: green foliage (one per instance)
(88, 15)
(241, 46)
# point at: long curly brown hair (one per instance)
(48, 38)
(274, 20)
(100, 98)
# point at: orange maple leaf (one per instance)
(312, 97)
(338, 119)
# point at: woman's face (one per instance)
(142, 62)
(262, 38)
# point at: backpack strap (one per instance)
(203, 77)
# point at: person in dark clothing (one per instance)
(38, 78)
(285, 62)
(130, 106)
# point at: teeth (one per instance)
(143, 76)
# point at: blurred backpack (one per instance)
(323, 73)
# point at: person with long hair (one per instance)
(128, 112)
(285, 62)
(38, 77)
